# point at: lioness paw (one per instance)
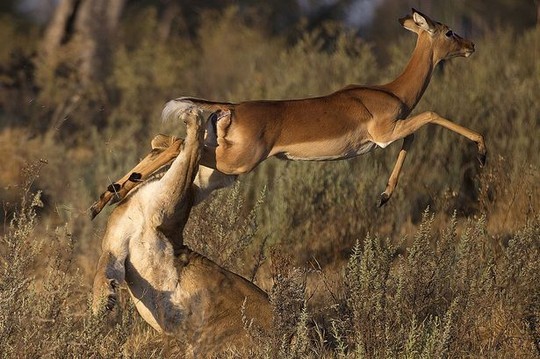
(112, 296)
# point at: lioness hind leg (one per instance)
(164, 150)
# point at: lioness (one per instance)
(176, 290)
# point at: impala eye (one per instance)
(449, 33)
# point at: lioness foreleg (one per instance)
(110, 274)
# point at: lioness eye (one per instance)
(449, 33)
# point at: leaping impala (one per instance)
(344, 124)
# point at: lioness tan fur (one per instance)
(176, 290)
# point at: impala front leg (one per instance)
(393, 180)
(408, 126)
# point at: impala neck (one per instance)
(413, 81)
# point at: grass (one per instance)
(449, 268)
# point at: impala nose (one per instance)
(469, 49)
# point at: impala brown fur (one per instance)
(176, 290)
(344, 124)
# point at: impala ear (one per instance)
(408, 23)
(423, 22)
(416, 22)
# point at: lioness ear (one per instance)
(161, 142)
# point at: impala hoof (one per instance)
(94, 210)
(383, 199)
(482, 158)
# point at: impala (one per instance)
(176, 290)
(344, 124)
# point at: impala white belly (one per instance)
(324, 152)
(383, 144)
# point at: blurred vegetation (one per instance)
(347, 279)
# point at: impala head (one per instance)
(446, 43)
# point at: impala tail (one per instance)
(174, 108)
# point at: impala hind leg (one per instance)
(229, 151)
(208, 154)
(394, 176)
(164, 151)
